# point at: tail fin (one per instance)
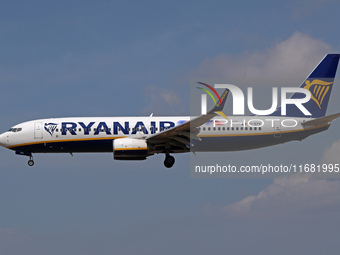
(319, 83)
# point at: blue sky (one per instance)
(128, 58)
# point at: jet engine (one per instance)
(130, 149)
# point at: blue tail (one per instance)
(319, 83)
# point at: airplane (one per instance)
(136, 138)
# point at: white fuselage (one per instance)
(97, 134)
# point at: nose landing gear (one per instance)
(31, 161)
(26, 153)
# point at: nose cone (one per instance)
(3, 140)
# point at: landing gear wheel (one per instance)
(169, 161)
(30, 162)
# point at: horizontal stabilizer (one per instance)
(322, 121)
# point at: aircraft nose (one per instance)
(3, 140)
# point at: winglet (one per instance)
(219, 106)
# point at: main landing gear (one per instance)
(169, 161)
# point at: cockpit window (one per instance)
(15, 130)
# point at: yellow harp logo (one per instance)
(318, 90)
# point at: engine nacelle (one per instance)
(130, 149)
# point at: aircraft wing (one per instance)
(182, 134)
(322, 121)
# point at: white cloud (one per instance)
(297, 196)
(287, 61)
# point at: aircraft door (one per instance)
(277, 129)
(38, 130)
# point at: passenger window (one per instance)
(232, 128)
(255, 128)
(228, 128)
(245, 128)
(214, 128)
(250, 128)
(237, 128)
(241, 128)
(204, 129)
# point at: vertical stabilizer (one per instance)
(319, 83)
